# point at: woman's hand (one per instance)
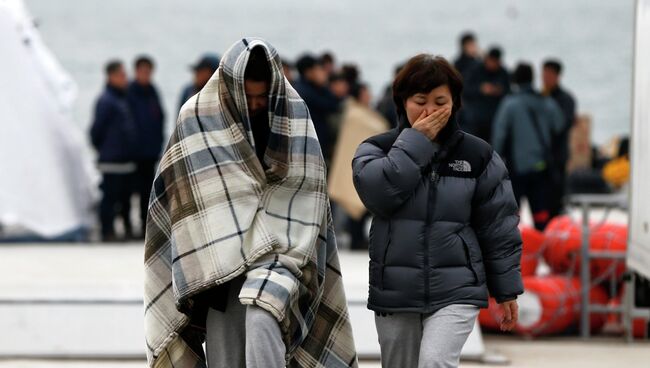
(431, 125)
(510, 315)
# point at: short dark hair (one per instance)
(305, 63)
(554, 65)
(143, 60)
(495, 53)
(421, 74)
(357, 88)
(258, 68)
(113, 66)
(351, 73)
(467, 37)
(327, 58)
(523, 74)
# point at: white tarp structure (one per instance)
(639, 244)
(47, 185)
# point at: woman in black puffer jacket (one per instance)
(444, 231)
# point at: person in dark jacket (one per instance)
(469, 55)
(551, 71)
(524, 127)
(486, 85)
(203, 70)
(468, 60)
(385, 105)
(149, 118)
(313, 88)
(113, 134)
(444, 231)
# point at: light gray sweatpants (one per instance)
(243, 336)
(413, 340)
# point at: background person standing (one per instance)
(149, 118)
(524, 127)
(551, 72)
(486, 85)
(113, 134)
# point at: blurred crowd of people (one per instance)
(528, 127)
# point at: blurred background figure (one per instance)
(113, 134)
(358, 122)
(313, 88)
(328, 62)
(486, 84)
(468, 59)
(385, 105)
(203, 70)
(148, 116)
(288, 69)
(339, 84)
(551, 71)
(524, 127)
(360, 92)
(469, 56)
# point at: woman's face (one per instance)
(432, 101)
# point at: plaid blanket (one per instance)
(215, 214)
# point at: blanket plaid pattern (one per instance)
(215, 214)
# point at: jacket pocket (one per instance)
(474, 257)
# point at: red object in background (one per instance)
(639, 325)
(549, 305)
(612, 238)
(531, 251)
(563, 240)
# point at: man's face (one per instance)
(317, 75)
(143, 74)
(471, 48)
(257, 96)
(550, 78)
(118, 79)
(492, 64)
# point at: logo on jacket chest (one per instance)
(460, 166)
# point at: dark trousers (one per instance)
(357, 233)
(558, 191)
(535, 187)
(116, 194)
(144, 175)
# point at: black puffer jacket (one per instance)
(445, 221)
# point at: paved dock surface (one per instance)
(551, 353)
(87, 271)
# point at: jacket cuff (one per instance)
(504, 299)
(417, 145)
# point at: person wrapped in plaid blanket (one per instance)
(240, 250)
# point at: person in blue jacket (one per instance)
(113, 135)
(148, 116)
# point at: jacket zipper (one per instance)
(434, 178)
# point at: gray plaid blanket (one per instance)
(215, 214)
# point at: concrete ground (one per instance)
(30, 271)
(555, 353)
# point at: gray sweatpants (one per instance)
(243, 336)
(413, 340)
